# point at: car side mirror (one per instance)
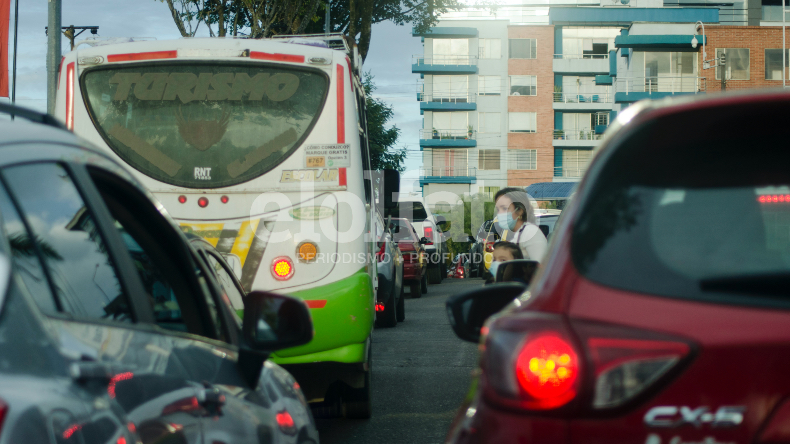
(424, 240)
(273, 322)
(391, 188)
(469, 311)
(520, 271)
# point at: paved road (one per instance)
(420, 375)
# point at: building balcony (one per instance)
(569, 174)
(631, 89)
(583, 101)
(447, 101)
(448, 174)
(444, 64)
(447, 138)
(576, 138)
(581, 64)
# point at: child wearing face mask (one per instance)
(503, 252)
(517, 222)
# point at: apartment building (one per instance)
(522, 95)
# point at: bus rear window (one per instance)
(204, 125)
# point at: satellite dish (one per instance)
(516, 94)
(625, 2)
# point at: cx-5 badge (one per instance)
(672, 416)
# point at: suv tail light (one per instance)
(428, 233)
(534, 361)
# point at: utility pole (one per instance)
(326, 19)
(53, 53)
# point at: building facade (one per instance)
(523, 95)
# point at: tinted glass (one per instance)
(235, 297)
(668, 216)
(403, 230)
(25, 256)
(204, 125)
(74, 252)
(413, 211)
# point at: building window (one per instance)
(451, 124)
(449, 163)
(737, 63)
(450, 51)
(523, 122)
(523, 49)
(773, 64)
(522, 159)
(523, 85)
(488, 123)
(490, 48)
(772, 12)
(488, 159)
(450, 89)
(601, 118)
(489, 85)
(575, 162)
(490, 191)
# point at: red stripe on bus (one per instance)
(350, 73)
(155, 55)
(341, 108)
(342, 177)
(257, 55)
(70, 68)
(319, 303)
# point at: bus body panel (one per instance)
(344, 324)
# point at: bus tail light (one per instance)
(182, 199)
(70, 96)
(307, 251)
(224, 199)
(282, 268)
(136, 56)
(203, 202)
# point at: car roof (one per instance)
(23, 131)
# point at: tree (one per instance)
(380, 138)
(264, 18)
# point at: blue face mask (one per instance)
(493, 268)
(506, 221)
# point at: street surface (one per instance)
(421, 373)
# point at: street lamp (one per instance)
(694, 43)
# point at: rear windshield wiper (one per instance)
(768, 284)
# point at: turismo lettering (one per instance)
(187, 86)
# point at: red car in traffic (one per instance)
(414, 258)
(661, 313)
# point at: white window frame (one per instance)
(525, 115)
(535, 56)
(481, 86)
(480, 160)
(483, 50)
(514, 161)
(534, 85)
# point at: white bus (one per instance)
(260, 147)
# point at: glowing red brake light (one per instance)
(774, 198)
(428, 233)
(224, 199)
(203, 202)
(131, 57)
(70, 96)
(546, 369)
(282, 268)
(182, 199)
(379, 306)
(285, 422)
(276, 57)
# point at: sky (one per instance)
(389, 58)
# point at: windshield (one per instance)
(204, 125)
(413, 211)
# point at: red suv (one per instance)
(415, 263)
(661, 314)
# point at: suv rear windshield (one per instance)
(200, 125)
(413, 211)
(698, 211)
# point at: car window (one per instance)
(413, 211)
(684, 228)
(175, 284)
(82, 272)
(24, 253)
(235, 297)
(402, 232)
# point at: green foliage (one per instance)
(381, 138)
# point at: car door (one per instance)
(89, 294)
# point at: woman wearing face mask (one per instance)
(517, 222)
